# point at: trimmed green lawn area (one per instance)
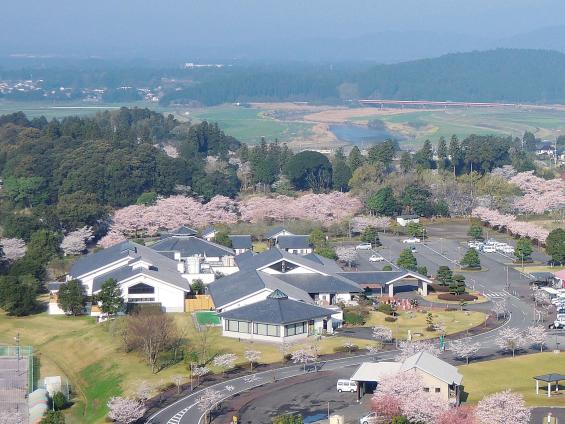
(207, 318)
(483, 378)
(434, 298)
(452, 321)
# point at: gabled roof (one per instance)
(374, 371)
(328, 264)
(208, 231)
(191, 246)
(275, 254)
(382, 277)
(277, 310)
(293, 242)
(241, 242)
(275, 231)
(434, 366)
(96, 260)
(183, 231)
(318, 283)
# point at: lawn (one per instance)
(452, 321)
(483, 378)
(207, 318)
(91, 357)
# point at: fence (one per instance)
(24, 353)
(201, 302)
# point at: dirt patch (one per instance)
(341, 115)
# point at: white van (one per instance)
(489, 248)
(346, 386)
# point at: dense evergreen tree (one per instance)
(110, 297)
(355, 159)
(310, 170)
(18, 295)
(383, 202)
(555, 245)
(407, 260)
(72, 297)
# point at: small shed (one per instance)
(404, 220)
(549, 379)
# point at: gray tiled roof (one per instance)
(274, 254)
(166, 275)
(93, 261)
(317, 283)
(372, 277)
(191, 246)
(434, 366)
(207, 231)
(293, 242)
(183, 231)
(329, 264)
(277, 311)
(274, 231)
(241, 241)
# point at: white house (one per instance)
(404, 220)
(298, 244)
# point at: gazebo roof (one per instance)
(550, 378)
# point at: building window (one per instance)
(141, 289)
(266, 330)
(294, 329)
(237, 326)
(426, 389)
(438, 389)
(141, 299)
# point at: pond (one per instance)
(363, 136)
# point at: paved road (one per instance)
(497, 283)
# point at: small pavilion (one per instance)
(549, 379)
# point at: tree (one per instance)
(422, 270)
(74, 243)
(529, 141)
(503, 407)
(442, 153)
(471, 259)
(406, 162)
(424, 158)
(510, 339)
(500, 308)
(523, 249)
(288, 419)
(13, 248)
(382, 153)
(415, 229)
(303, 356)
(464, 414)
(407, 260)
(408, 349)
(71, 297)
(444, 275)
(366, 180)
(355, 159)
(455, 154)
(310, 170)
(418, 200)
(197, 286)
(18, 295)
(387, 268)
(341, 176)
(59, 401)
(318, 237)
(43, 246)
(223, 237)
(110, 297)
(50, 417)
(346, 254)
(457, 286)
(464, 348)
(555, 245)
(537, 335)
(252, 356)
(124, 410)
(207, 400)
(383, 202)
(382, 334)
(386, 407)
(79, 209)
(225, 361)
(476, 231)
(151, 332)
(199, 372)
(371, 235)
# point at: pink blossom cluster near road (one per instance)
(172, 212)
(539, 195)
(511, 224)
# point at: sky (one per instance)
(179, 28)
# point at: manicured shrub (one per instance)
(353, 318)
(385, 308)
(457, 297)
(390, 319)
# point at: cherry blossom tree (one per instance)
(503, 407)
(346, 254)
(408, 389)
(13, 248)
(359, 223)
(143, 393)
(537, 335)
(303, 356)
(509, 222)
(500, 309)
(510, 339)
(74, 243)
(464, 348)
(252, 356)
(12, 417)
(408, 349)
(385, 407)
(286, 348)
(540, 195)
(225, 361)
(458, 415)
(124, 410)
(199, 372)
(207, 400)
(382, 334)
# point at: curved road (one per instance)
(497, 283)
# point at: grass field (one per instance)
(207, 318)
(452, 321)
(91, 357)
(483, 378)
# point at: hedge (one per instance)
(457, 297)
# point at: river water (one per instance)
(362, 136)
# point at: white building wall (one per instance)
(343, 297)
(171, 298)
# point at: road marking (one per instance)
(178, 416)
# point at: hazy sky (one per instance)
(153, 28)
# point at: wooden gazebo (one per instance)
(549, 379)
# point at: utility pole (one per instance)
(17, 338)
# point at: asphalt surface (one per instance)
(498, 282)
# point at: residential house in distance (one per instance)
(298, 244)
(144, 275)
(439, 377)
(404, 220)
(209, 233)
(275, 232)
(241, 243)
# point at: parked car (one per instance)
(370, 418)
(376, 258)
(411, 240)
(489, 248)
(364, 246)
(413, 249)
(346, 386)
